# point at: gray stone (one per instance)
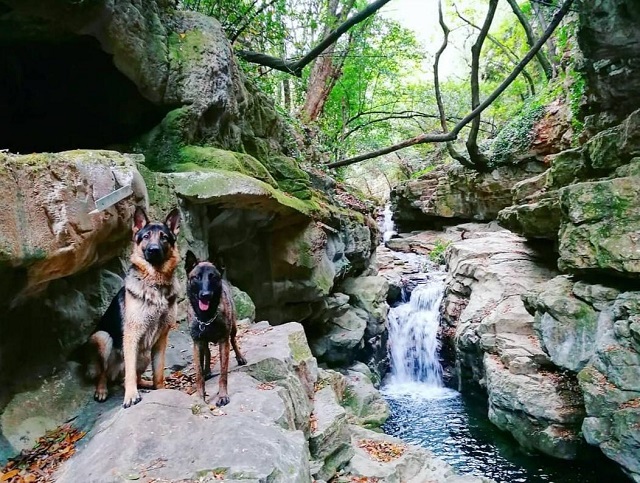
(415, 465)
(168, 423)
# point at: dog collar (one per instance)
(203, 325)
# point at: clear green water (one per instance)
(457, 430)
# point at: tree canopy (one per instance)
(364, 85)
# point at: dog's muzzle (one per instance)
(153, 254)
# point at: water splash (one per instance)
(388, 227)
(413, 338)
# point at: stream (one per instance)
(453, 426)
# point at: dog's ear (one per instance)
(190, 261)
(173, 221)
(139, 219)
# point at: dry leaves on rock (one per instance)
(181, 381)
(266, 386)
(382, 451)
(39, 463)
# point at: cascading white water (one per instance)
(413, 338)
(388, 227)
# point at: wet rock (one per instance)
(415, 465)
(498, 347)
(543, 412)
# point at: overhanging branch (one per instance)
(452, 136)
(295, 67)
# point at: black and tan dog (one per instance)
(212, 318)
(133, 331)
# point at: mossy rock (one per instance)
(289, 176)
(163, 143)
(204, 158)
(245, 308)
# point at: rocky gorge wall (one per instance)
(291, 240)
(543, 317)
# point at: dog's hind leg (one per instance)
(223, 396)
(239, 357)
(198, 361)
(157, 360)
(99, 367)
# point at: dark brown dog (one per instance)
(133, 331)
(212, 318)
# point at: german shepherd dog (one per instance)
(133, 331)
(212, 318)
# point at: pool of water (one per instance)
(457, 430)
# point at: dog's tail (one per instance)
(101, 345)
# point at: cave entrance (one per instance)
(63, 94)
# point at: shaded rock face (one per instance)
(457, 193)
(609, 38)
(498, 347)
(595, 333)
(175, 59)
(59, 269)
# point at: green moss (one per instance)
(245, 308)
(186, 46)
(163, 143)
(516, 136)
(423, 171)
(291, 179)
(161, 195)
(198, 158)
(299, 347)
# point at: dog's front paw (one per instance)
(222, 400)
(131, 398)
(241, 361)
(101, 394)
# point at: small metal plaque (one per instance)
(113, 197)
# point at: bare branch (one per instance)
(542, 58)
(436, 83)
(478, 159)
(295, 67)
(511, 55)
(447, 137)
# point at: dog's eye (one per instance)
(163, 235)
(146, 236)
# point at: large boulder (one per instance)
(498, 347)
(610, 383)
(600, 231)
(50, 226)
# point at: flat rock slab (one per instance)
(169, 436)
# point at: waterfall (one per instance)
(413, 339)
(388, 228)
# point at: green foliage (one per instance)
(437, 254)
(517, 135)
(423, 171)
(577, 92)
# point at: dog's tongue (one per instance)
(203, 304)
